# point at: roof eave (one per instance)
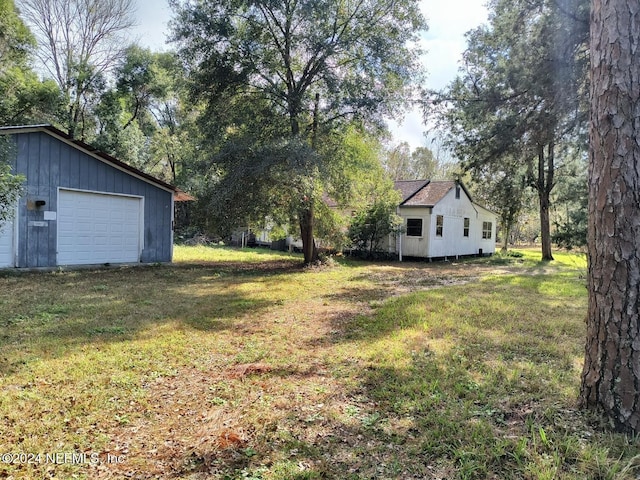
(105, 157)
(426, 182)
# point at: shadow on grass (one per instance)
(442, 415)
(434, 417)
(459, 382)
(46, 315)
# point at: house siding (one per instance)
(415, 246)
(48, 164)
(486, 245)
(452, 242)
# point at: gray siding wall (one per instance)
(49, 163)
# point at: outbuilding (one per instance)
(81, 206)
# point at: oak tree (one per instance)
(300, 67)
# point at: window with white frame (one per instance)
(467, 223)
(487, 229)
(439, 225)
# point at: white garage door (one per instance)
(98, 228)
(6, 244)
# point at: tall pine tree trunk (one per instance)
(611, 374)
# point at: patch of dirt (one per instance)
(239, 371)
(178, 430)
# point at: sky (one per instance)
(444, 43)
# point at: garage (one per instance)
(6, 244)
(81, 206)
(98, 228)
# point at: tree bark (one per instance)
(611, 373)
(545, 225)
(307, 215)
(309, 249)
(505, 241)
(544, 185)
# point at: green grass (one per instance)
(237, 364)
(201, 253)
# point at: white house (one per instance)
(442, 221)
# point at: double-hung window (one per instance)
(439, 225)
(487, 228)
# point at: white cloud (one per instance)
(444, 43)
(152, 18)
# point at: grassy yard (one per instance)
(242, 365)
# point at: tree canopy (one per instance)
(277, 77)
(78, 43)
(520, 96)
(23, 97)
(400, 163)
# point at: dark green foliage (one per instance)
(26, 100)
(520, 98)
(503, 187)
(10, 189)
(572, 203)
(10, 184)
(23, 97)
(146, 120)
(372, 224)
(572, 233)
(16, 41)
(281, 81)
(259, 183)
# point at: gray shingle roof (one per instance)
(430, 194)
(409, 187)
